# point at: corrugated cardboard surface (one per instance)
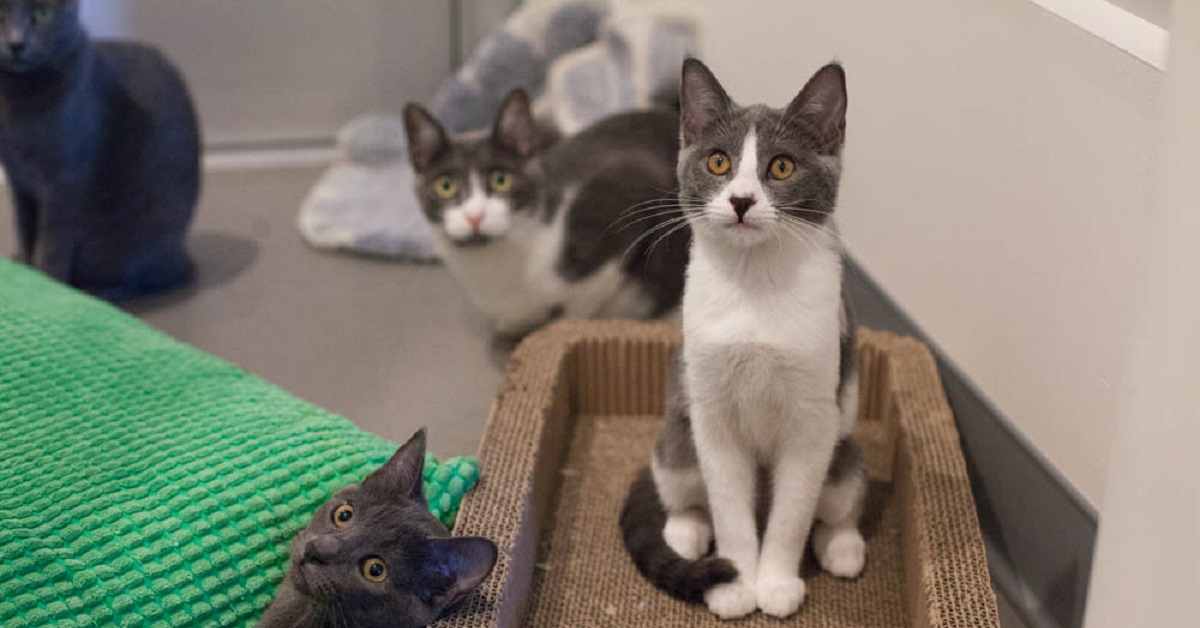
(578, 416)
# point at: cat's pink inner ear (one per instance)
(701, 99)
(514, 124)
(426, 138)
(822, 103)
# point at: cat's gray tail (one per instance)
(642, 521)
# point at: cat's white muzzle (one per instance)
(477, 216)
(752, 228)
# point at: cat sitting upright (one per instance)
(766, 379)
(101, 148)
(588, 227)
(373, 556)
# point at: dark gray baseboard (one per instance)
(1040, 533)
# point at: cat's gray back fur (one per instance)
(608, 172)
(101, 146)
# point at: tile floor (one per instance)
(390, 346)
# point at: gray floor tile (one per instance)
(390, 346)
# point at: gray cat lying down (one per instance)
(587, 227)
(102, 152)
(374, 556)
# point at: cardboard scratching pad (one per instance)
(578, 416)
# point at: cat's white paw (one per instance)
(841, 551)
(780, 597)
(732, 600)
(689, 535)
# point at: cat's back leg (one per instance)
(606, 238)
(675, 468)
(676, 472)
(837, 541)
(157, 267)
(160, 191)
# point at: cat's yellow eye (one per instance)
(374, 569)
(445, 187)
(718, 163)
(782, 168)
(500, 181)
(342, 515)
(43, 13)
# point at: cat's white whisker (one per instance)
(669, 227)
(665, 236)
(666, 212)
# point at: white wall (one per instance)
(289, 70)
(996, 184)
(1147, 568)
(1154, 11)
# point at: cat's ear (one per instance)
(701, 100)
(513, 128)
(402, 474)
(462, 562)
(822, 103)
(426, 137)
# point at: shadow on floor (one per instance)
(219, 257)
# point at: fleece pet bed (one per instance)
(144, 483)
(582, 60)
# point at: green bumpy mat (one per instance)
(145, 483)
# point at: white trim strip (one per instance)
(1129, 32)
(258, 159)
(229, 160)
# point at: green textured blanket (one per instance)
(143, 482)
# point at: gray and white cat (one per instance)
(101, 148)
(374, 556)
(766, 380)
(534, 230)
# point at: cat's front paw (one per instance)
(732, 600)
(689, 535)
(841, 551)
(780, 596)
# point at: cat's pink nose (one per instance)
(475, 220)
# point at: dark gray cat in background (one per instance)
(101, 147)
(587, 227)
(373, 555)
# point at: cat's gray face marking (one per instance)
(376, 555)
(471, 187)
(757, 174)
(36, 33)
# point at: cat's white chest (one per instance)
(515, 280)
(511, 279)
(795, 309)
(758, 334)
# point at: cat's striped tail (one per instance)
(642, 521)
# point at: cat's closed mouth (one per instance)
(475, 239)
